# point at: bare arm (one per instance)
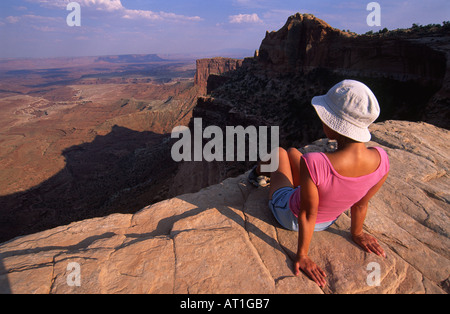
(358, 213)
(309, 205)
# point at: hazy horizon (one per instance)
(237, 53)
(38, 28)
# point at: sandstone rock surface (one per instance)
(224, 239)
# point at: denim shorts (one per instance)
(279, 205)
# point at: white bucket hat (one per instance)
(349, 108)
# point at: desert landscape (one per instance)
(74, 128)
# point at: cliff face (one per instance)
(224, 238)
(306, 43)
(213, 67)
(398, 65)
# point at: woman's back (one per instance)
(355, 162)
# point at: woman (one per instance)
(309, 192)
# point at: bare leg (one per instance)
(288, 173)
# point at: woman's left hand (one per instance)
(369, 244)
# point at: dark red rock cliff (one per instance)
(213, 67)
(306, 43)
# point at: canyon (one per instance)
(74, 133)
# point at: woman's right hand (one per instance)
(310, 268)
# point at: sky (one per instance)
(39, 28)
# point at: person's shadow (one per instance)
(4, 282)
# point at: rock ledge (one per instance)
(224, 239)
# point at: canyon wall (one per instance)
(306, 43)
(206, 68)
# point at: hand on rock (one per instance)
(369, 244)
(310, 268)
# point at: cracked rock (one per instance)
(224, 239)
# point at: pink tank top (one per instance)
(337, 193)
